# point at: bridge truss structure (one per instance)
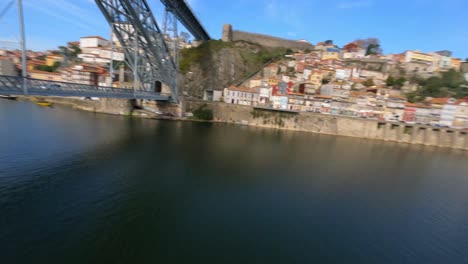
(15, 85)
(143, 43)
(146, 53)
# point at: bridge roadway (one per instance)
(186, 16)
(13, 85)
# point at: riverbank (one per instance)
(335, 125)
(295, 121)
(108, 106)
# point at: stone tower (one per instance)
(227, 33)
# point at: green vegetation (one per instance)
(253, 55)
(47, 68)
(274, 118)
(397, 83)
(368, 83)
(448, 84)
(199, 54)
(203, 113)
(70, 52)
(371, 45)
(408, 130)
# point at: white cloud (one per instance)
(56, 14)
(355, 4)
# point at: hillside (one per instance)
(216, 64)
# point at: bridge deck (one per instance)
(13, 85)
(186, 16)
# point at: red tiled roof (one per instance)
(439, 101)
(242, 89)
(319, 96)
(99, 37)
(298, 94)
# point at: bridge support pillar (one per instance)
(116, 106)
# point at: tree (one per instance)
(55, 66)
(368, 83)
(75, 50)
(328, 42)
(371, 45)
(390, 81)
(373, 49)
(203, 113)
(45, 68)
(185, 36)
(449, 84)
(399, 82)
(466, 59)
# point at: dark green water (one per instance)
(77, 187)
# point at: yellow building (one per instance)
(316, 78)
(273, 81)
(43, 75)
(418, 56)
(32, 64)
(51, 59)
(456, 64)
(326, 55)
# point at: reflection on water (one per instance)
(77, 187)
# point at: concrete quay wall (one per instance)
(335, 125)
(104, 105)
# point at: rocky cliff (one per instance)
(216, 64)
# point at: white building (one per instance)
(447, 114)
(343, 74)
(461, 114)
(279, 102)
(212, 95)
(241, 95)
(265, 95)
(93, 42)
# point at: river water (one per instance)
(78, 187)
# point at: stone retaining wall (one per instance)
(336, 125)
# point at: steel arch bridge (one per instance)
(146, 53)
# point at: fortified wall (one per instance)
(336, 125)
(230, 35)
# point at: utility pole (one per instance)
(23, 47)
(135, 64)
(111, 54)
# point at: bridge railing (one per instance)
(13, 85)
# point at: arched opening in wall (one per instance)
(157, 86)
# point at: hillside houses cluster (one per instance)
(335, 81)
(86, 61)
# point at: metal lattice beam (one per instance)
(13, 85)
(170, 30)
(143, 43)
(185, 15)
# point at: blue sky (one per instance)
(425, 25)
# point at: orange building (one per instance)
(456, 64)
